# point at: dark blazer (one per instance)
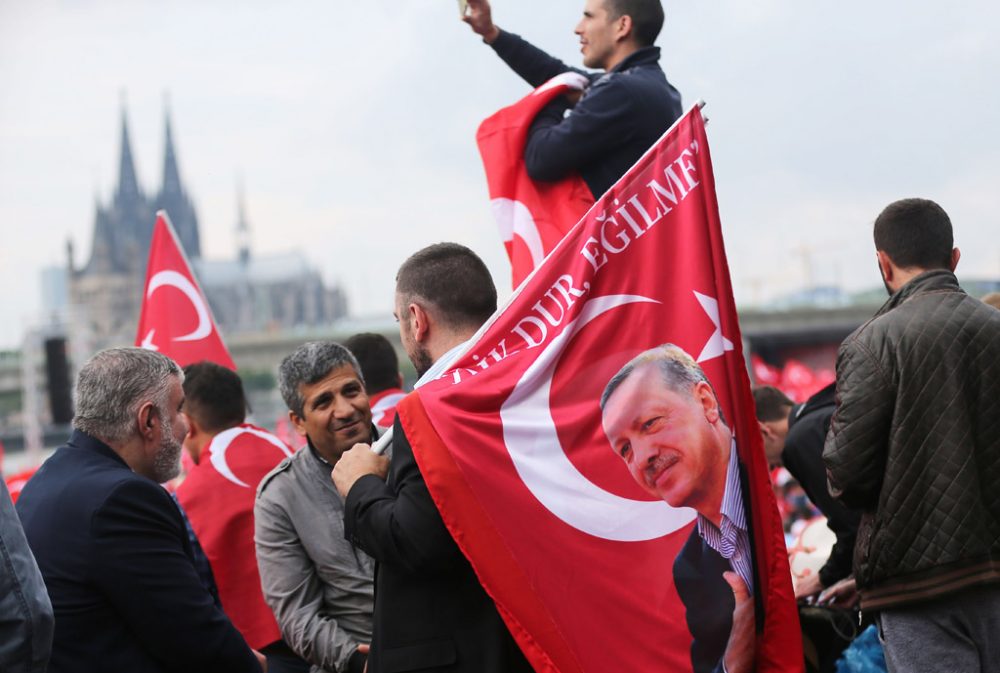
(431, 613)
(708, 601)
(114, 553)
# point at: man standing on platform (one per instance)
(915, 444)
(431, 612)
(623, 111)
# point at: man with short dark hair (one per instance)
(623, 111)
(915, 444)
(110, 541)
(318, 585)
(380, 369)
(431, 612)
(793, 437)
(662, 418)
(230, 458)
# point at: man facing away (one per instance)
(318, 585)
(109, 540)
(624, 110)
(793, 437)
(230, 457)
(380, 368)
(915, 444)
(431, 612)
(662, 418)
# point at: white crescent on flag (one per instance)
(177, 280)
(530, 435)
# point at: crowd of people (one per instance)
(335, 558)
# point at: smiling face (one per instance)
(671, 443)
(336, 414)
(597, 33)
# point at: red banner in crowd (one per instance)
(532, 216)
(16, 482)
(218, 496)
(175, 318)
(591, 525)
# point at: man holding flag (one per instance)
(430, 609)
(623, 110)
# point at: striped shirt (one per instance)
(732, 541)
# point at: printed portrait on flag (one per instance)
(662, 418)
(525, 442)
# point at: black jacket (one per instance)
(431, 612)
(708, 601)
(803, 457)
(915, 443)
(620, 116)
(115, 556)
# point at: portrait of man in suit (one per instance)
(662, 418)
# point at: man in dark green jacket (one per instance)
(915, 444)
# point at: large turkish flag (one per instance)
(580, 560)
(176, 319)
(532, 216)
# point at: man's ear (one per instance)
(703, 393)
(885, 265)
(148, 420)
(623, 27)
(956, 254)
(420, 322)
(297, 422)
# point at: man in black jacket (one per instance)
(915, 444)
(431, 612)
(623, 111)
(793, 437)
(109, 540)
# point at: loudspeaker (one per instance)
(57, 380)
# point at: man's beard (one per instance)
(422, 361)
(167, 461)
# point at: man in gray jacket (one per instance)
(915, 444)
(318, 585)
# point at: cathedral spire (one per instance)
(128, 184)
(171, 174)
(242, 227)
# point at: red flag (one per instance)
(580, 560)
(176, 319)
(383, 406)
(16, 482)
(532, 216)
(218, 496)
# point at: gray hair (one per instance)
(114, 383)
(310, 364)
(680, 371)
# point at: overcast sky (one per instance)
(352, 126)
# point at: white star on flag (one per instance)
(717, 344)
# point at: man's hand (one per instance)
(355, 464)
(261, 659)
(480, 19)
(843, 594)
(807, 585)
(364, 649)
(740, 648)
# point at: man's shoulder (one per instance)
(271, 487)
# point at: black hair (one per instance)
(378, 360)
(647, 17)
(454, 280)
(771, 404)
(213, 396)
(915, 233)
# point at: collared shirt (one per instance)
(732, 541)
(442, 364)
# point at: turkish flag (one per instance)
(590, 570)
(218, 496)
(532, 216)
(16, 482)
(175, 318)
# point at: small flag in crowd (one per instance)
(176, 319)
(597, 563)
(532, 216)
